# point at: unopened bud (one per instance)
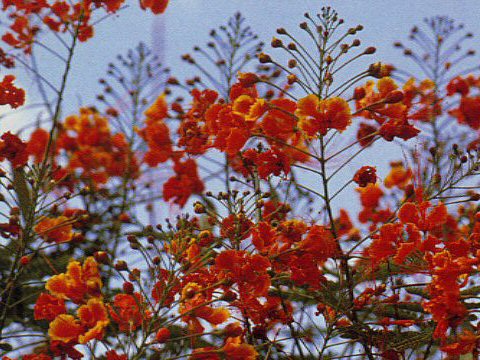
(394, 97)
(276, 43)
(359, 93)
(101, 257)
(121, 265)
(128, 288)
(264, 58)
(199, 208)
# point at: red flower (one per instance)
(13, 149)
(162, 335)
(236, 227)
(249, 271)
(36, 357)
(319, 243)
(398, 128)
(468, 112)
(65, 328)
(94, 317)
(78, 282)
(48, 307)
(458, 85)
(185, 183)
(112, 355)
(365, 175)
(56, 230)
(366, 134)
(156, 6)
(128, 311)
(37, 144)
(9, 94)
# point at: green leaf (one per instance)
(22, 190)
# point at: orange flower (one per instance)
(376, 103)
(384, 244)
(234, 349)
(158, 110)
(48, 307)
(156, 133)
(263, 235)
(94, 317)
(398, 176)
(78, 282)
(56, 230)
(387, 108)
(318, 116)
(128, 311)
(445, 303)
(65, 328)
(193, 297)
(94, 150)
(320, 243)
(157, 136)
(249, 107)
(370, 195)
(280, 122)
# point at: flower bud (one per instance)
(359, 93)
(101, 257)
(199, 208)
(163, 335)
(248, 79)
(25, 260)
(394, 97)
(264, 58)
(128, 288)
(121, 265)
(276, 43)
